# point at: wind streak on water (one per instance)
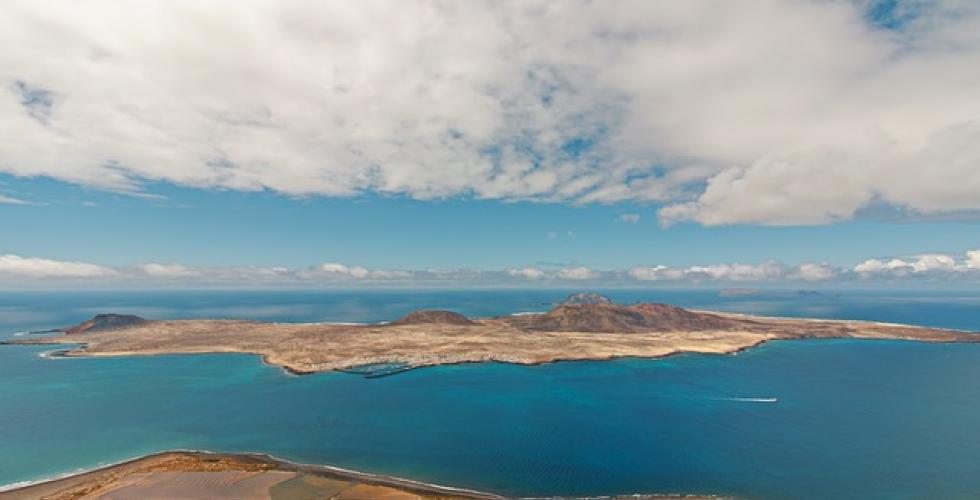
(749, 400)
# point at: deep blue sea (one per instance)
(854, 419)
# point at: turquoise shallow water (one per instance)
(855, 419)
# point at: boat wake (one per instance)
(750, 400)
(55, 354)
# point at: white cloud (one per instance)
(8, 200)
(167, 270)
(932, 267)
(334, 267)
(973, 259)
(737, 272)
(814, 188)
(629, 218)
(34, 267)
(793, 112)
(875, 266)
(934, 262)
(531, 273)
(577, 273)
(654, 273)
(768, 271)
(335, 270)
(815, 272)
(389, 274)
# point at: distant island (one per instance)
(756, 292)
(586, 327)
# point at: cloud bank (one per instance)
(9, 200)
(940, 269)
(15, 266)
(793, 112)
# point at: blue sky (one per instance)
(498, 143)
(220, 227)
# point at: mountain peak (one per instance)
(614, 318)
(105, 322)
(433, 316)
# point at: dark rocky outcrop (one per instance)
(105, 322)
(429, 317)
(620, 318)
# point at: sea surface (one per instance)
(852, 418)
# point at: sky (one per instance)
(320, 144)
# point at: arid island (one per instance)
(587, 327)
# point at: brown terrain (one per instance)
(611, 318)
(104, 322)
(430, 317)
(206, 476)
(202, 476)
(586, 329)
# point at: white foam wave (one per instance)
(750, 400)
(56, 477)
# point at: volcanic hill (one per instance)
(609, 318)
(105, 322)
(430, 316)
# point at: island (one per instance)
(586, 327)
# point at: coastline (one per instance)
(647, 346)
(105, 475)
(886, 324)
(262, 459)
(291, 372)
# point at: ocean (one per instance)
(790, 419)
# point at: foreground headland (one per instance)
(192, 475)
(593, 330)
(195, 475)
